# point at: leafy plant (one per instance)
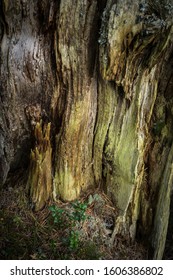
(79, 211)
(66, 218)
(74, 240)
(57, 215)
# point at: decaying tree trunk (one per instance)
(101, 73)
(40, 170)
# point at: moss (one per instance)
(122, 147)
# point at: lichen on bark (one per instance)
(133, 58)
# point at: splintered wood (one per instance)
(40, 179)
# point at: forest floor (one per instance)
(78, 230)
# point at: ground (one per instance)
(78, 230)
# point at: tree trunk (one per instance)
(101, 73)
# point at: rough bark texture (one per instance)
(40, 170)
(101, 73)
(135, 51)
(27, 77)
(76, 38)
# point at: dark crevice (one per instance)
(95, 65)
(105, 160)
(96, 118)
(2, 18)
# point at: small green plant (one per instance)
(73, 240)
(57, 215)
(79, 213)
(68, 220)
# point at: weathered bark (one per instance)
(40, 171)
(27, 77)
(136, 49)
(76, 39)
(101, 73)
